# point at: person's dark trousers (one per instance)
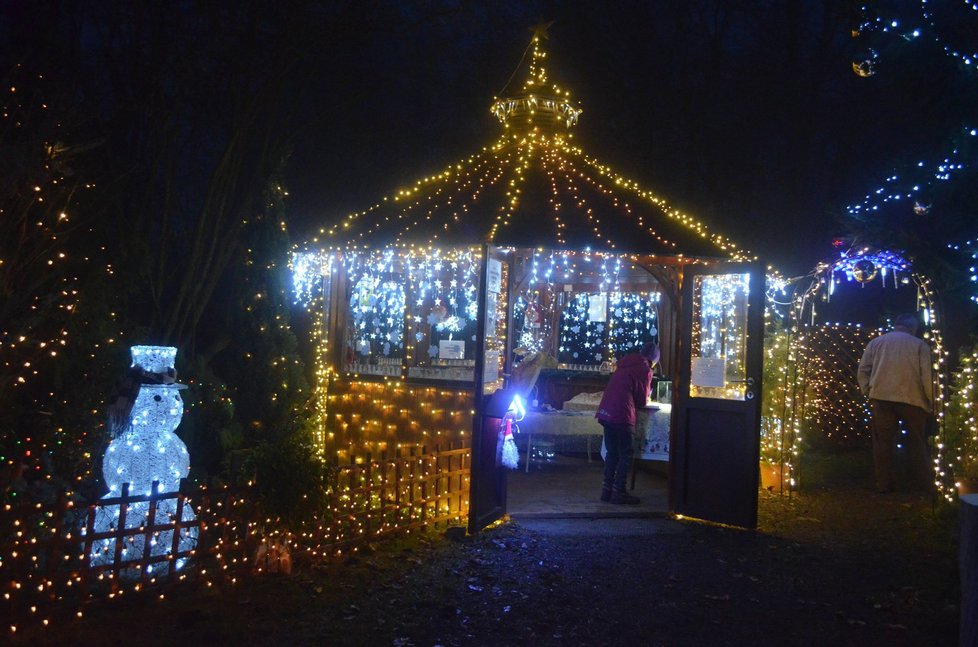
(618, 443)
(886, 430)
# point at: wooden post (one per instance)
(439, 486)
(120, 537)
(88, 543)
(422, 461)
(968, 565)
(148, 532)
(368, 494)
(397, 489)
(57, 538)
(177, 527)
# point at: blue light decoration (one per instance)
(916, 192)
(865, 265)
(147, 451)
(444, 286)
(970, 247)
(913, 26)
(923, 25)
(308, 270)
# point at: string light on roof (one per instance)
(482, 196)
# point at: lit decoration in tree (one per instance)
(865, 63)
(147, 452)
(42, 233)
(914, 185)
(865, 265)
(971, 248)
(918, 201)
(923, 24)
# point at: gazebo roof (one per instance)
(531, 188)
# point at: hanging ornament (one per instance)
(864, 270)
(437, 314)
(864, 63)
(533, 316)
(921, 208)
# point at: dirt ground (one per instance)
(835, 564)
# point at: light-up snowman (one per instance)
(147, 451)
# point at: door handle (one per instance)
(749, 381)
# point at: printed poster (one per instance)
(708, 371)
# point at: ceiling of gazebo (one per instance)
(531, 188)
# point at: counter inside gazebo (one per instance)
(502, 271)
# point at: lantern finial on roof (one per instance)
(538, 107)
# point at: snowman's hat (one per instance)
(154, 365)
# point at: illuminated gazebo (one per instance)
(432, 298)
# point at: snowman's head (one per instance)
(158, 408)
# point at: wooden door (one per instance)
(716, 436)
(487, 491)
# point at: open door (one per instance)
(716, 434)
(487, 490)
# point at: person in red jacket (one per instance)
(627, 390)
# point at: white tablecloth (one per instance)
(651, 444)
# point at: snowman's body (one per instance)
(148, 451)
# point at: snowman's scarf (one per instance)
(123, 396)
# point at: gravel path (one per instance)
(833, 566)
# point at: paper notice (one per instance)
(451, 349)
(708, 371)
(495, 278)
(597, 307)
(490, 370)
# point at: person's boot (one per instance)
(623, 497)
(605, 493)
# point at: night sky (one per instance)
(748, 116)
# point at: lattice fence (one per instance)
(47, 572)
(832, 404)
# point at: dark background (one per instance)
(746, 115)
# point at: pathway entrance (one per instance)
(569, 487)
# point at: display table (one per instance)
(651, 424)
(559, 423)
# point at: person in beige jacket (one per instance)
(895, 373)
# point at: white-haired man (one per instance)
(895, 373)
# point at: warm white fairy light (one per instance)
(482, 195)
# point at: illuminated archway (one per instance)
(811, 362)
